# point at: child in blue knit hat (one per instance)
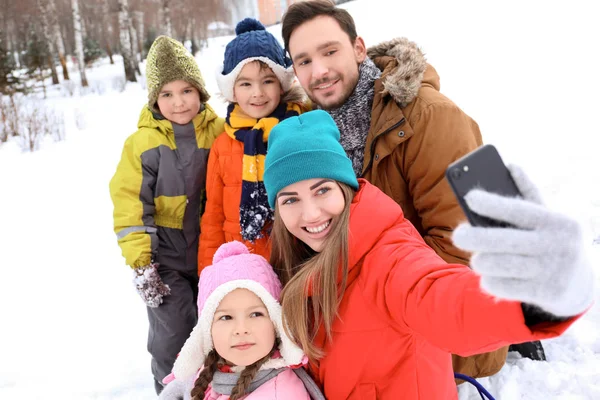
(257, 79)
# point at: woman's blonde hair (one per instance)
(303, 272)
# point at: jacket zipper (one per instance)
(396, 125)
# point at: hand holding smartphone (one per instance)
(482, 169)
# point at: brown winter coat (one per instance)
(415, 133)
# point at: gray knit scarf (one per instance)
(224, 382)
(353, 118)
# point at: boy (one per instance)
(257, 79)
(157, 192)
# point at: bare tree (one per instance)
(125, 36)
(193, 17)
(139, 24)
(135, 50)
(58, 40)
(125, 26)
(107, 29)
(82, 22)
(166, 18)
(79, 41)
(43, 8)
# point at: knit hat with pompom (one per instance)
(252, 43)
(233, 268)
(168, 61)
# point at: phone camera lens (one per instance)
(456, 173)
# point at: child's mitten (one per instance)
(176, 390)
(149, 285)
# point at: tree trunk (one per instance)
(63, 64)
(79, 41)
(135, 51)
(43, 8)
(53, 72)
(125, 39)
(14, 122)
(166, 18)
(43, 83)
(109, 52)
(13, 43)
(57, 39)
(107, 30)
(139, 23)
(84, 32)
(195, 48)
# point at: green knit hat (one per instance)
(168, 60)
(305, 147)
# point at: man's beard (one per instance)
(346, 93)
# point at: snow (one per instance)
(73, 326)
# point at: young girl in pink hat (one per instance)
(239, 347)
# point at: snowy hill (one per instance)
(73, 327)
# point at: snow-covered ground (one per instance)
(73, 326)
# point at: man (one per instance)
(397, 128)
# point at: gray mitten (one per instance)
(540, 260)
(149, 285)
(176, 390)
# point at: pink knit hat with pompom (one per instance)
(233, 268)
(233, 262)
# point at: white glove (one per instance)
(539, 261)
(149, 285)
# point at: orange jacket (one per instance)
(221, 219)
(405, 310)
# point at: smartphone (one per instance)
(484, 169)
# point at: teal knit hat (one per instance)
(305, 147)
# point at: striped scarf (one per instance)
(254, 205)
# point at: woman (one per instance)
(375, 309)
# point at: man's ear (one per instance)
(360, 49)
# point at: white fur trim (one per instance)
(225, 82)
(190, 358)
(200, 343)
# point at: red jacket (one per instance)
(405, 310)
(221, 219)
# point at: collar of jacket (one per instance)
(367, 227)
(403, 67)
(150, 120)
(368, 223)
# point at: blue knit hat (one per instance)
(252, 43)
(306, 147)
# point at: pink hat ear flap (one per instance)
(191, 357)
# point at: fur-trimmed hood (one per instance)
(295, 95)
(403, 67)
